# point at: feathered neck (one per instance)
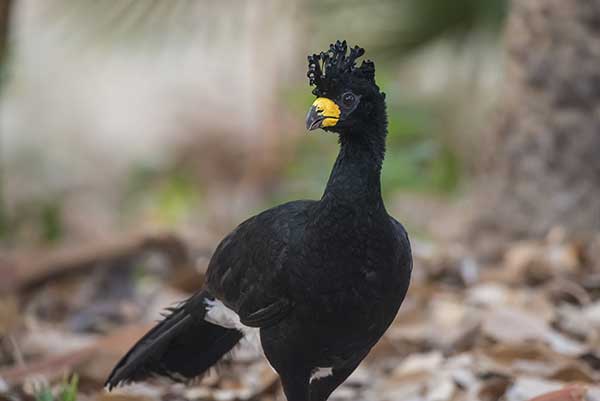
(356, 174)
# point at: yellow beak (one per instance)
(323, 113)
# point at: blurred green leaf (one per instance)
(424, 21)
(51, 222)
(175, 198)
(68, 390)
(418, 157)
(44, 395)
(171, 194)
(403, 26)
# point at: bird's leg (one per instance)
(321, 389)
(295, 386)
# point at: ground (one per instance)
(512, 329)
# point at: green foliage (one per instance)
(39, 220)
(170, 195)
(424, 21)
(418, 158)
(406, 25)
(45, 394)
(67, 391)
(51, 223)
(5, 228)
(175, 198)
(305, 175)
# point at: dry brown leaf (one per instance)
(51, 368)
(573, 392)
(493, 389)
(525, 388)
(109, 349)
(575, 372)
(441, 387)
(94, 361)
(133, 392)
(29, 271)
(513, 326)
(102, 396)
(10, 317)
(419, 363)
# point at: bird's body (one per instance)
(318, 281)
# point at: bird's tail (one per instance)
(182, 346)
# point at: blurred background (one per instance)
(134, 134)
(191, 114)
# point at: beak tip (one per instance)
(323, 112)
(313, 119)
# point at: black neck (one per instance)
(355, 177)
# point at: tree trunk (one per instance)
(544, 164)
(6, 7)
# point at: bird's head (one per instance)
(347, 97)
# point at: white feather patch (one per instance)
(319, 373)
(219, 314)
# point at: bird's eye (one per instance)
(348, 99)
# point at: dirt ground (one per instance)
(518, 328)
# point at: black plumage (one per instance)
(321, 280)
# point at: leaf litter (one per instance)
(524, 327)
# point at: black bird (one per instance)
(318, 282)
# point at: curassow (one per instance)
(317, 282)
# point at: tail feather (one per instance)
(182, 346)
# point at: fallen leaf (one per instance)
(525, 388)
(570, 393)
(512, 325)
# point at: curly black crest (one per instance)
(327, 68)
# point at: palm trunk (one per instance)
(5, 13)
(544, 164)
